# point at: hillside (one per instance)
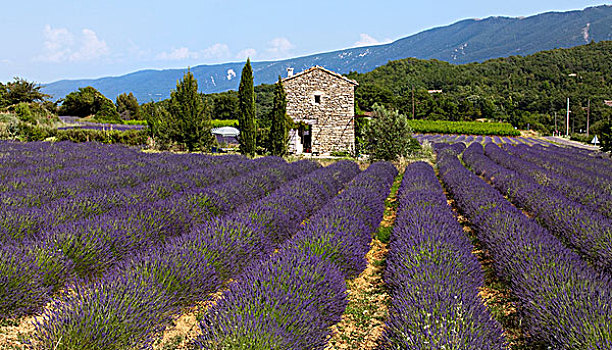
(473, 40)
(521, 90)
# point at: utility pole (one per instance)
(588, 115)
(556, 130)
(413, 102)
(567, 121)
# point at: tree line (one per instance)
(528, 92)
(186, 117)
(525, 91)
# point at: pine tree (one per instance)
(246, 113)
(280, 124)
(191, 125)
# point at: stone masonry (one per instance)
(324, 100)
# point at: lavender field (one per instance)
(500, 243)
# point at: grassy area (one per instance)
(217, 123)
(467, 128)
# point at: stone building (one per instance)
(323, 103)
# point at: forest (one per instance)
(524, 91)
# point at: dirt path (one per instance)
(363, 321)
(567, 142)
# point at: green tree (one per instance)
(225, 105)
(21, 90)
(279, 129)
(89, 101)
(246, 113)
(606, 137)
(128, 107)
(2, 95)
(158, 120)
(389, 135)
(190, 117)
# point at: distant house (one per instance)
(323, 104)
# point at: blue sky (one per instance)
(45, 41)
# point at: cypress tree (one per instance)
(280, 124)
(191, 124)
(246, 113)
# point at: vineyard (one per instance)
(470, 128)
(504, 243)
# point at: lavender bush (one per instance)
(184, 270)
(576, 225)
(291, 300)
(565, 180)
(563, 302)
(433, 278)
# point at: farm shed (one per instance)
(322, 102)
(226, 134)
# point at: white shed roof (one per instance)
(226, 131)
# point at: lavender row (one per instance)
(559, 162)
(44, 159)
(575, 224)
(76, 173)
(23, 159)
(291, 300)
(129, 305)
(573, 188)
(64, 167)
(449, 139)
(433, 278)
(587, 159)
(94, 245)
(124, 174)
(87, 248)
(22, 223)
(562, 302)
(571, 161)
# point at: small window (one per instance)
(318, 99)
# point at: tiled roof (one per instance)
(340, 76)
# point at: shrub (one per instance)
(129, 137)
(389, 135)
(606, 137)
(24, 113)
(28, 132)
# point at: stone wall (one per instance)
(331, 115)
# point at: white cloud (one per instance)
(216, 51)
(280, 46)
(60, 45)
(91, 47)
(367, 40)
(181, 53)
(246, 53)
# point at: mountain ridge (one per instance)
(465, 41)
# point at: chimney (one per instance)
(289, 72)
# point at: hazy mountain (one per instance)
(473, 40)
